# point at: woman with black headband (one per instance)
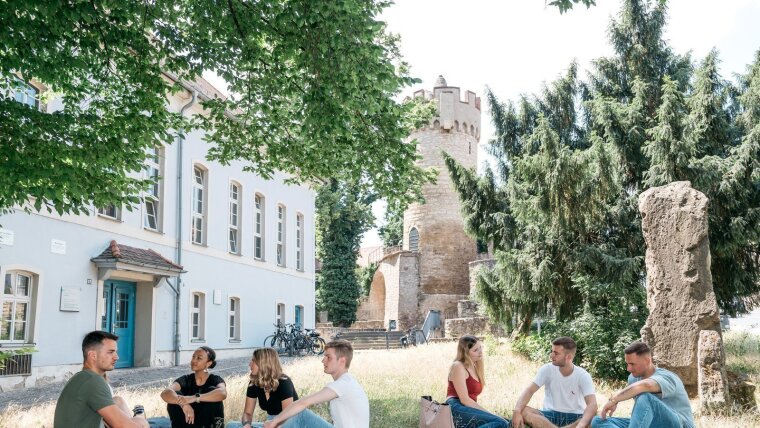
(195, 400)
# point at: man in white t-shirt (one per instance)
(569, 398)
(349, 406)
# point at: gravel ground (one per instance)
(122, 378)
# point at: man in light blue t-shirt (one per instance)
(661, 399)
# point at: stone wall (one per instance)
(680, 296)
(474, 268)
(457, 327)
(446, 303)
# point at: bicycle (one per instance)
(414, 336)
(279, 340)
(317, 343)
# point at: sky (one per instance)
(514, 46)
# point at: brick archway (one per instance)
(377, 297)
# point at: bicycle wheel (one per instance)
(269, 341)
(280, 344)
(302, 346)
(317, 345)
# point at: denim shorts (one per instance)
(560, 418)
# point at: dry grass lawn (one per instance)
(394, 381)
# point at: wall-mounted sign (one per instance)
(57, 246)
(70, 298)
(6, 237)
(217, 297)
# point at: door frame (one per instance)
(126, 341)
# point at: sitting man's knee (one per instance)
(645, 397)
(597, 422)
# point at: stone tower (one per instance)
(435, 229)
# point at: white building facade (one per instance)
(213, 256)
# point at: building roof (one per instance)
(121, 253)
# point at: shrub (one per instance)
(601, 339)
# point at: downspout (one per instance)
(180, 168)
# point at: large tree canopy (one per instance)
(313, 87)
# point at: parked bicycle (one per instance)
(290, 339)
(414, 336)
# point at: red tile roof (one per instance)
(132, 255)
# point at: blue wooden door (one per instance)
(299, 316)
(119, 318)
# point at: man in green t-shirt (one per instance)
(86, 401)
(661, 400)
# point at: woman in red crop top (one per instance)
(466, 382)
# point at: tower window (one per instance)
(414, 239)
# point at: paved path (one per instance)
(130, 378)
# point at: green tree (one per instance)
(343, 215)
(392, 232)
(561, 209)
(302, 73)
(565, 5)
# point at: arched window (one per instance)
(197, 316)
(258, 227)
(234, 238)
(234, 318)
(281, 314)
(198, 210)
(464, 126)
(152, 198)
(436, 124)
(16, 302)
(299, 241)
(472, 130)
(281, 235)
(414, 239)
(26, 93)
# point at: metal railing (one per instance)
(378, 254)
(432, 322)
(17, 365)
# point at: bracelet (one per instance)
(612, 399)
(246, 423)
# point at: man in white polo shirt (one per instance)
(349, 406)
(569, 398)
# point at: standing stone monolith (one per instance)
(713, 382)
(680, 294)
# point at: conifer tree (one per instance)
(343, 215)
(571, 162)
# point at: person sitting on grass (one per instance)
(195, 400)
(569, 398)
(349, 406)
(269, 386)
(466, 382)
(661, 399)
(87, 400)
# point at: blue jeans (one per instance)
(306, 419)
(648, 412)
(470, 417)
(253, 424)
(160, 422)
(560, 418)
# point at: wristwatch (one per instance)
(197, 397)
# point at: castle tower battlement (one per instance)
(435, 229)
(454, 113)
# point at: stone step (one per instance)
(371, 334)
